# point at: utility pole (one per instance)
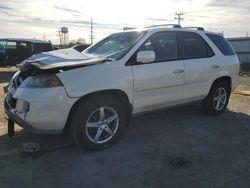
(91, 31)
(178, 17)
(44, 37)
(59, 35)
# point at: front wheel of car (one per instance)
(98, 122)
(216, 101)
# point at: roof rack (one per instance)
(129, 28)
(198, 28)
(174, 25)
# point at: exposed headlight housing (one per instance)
(44, 80)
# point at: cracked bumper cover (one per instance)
(14, 117)
(48, 109)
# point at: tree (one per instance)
(81, 41)
(76, 42)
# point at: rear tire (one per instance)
(216, 101)
(98, 122)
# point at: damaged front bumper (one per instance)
(13, 116)
(42, 111)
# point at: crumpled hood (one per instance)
(60, 58)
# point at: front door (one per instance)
(159, 84)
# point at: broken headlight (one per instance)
(44, 80)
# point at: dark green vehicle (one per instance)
(14, 51)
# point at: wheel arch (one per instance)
(117, 94)
(207, 103)
(226, 79)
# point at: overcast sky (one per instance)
(35, 18)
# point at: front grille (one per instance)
(17, 81)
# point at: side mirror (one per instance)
(145, 56)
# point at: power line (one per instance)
(178, 17)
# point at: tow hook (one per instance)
(5, 88)
(10, 128)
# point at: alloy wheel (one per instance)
(220, 98)
(102, 125)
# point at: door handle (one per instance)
(178, 71)
(215, 66)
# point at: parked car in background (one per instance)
(14, 51)
(94, 93)
(80, 47)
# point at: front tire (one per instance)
(216, 101)
(98, 122)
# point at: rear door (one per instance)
(2, 52)
(23, 51)
(159, 84)
(11, 53)
(41, 47)
(198, 59)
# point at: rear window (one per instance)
(23, 45)
(221, 44)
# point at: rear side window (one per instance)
(2, 45)
(11, 45)
(221, 44)
(194, 46)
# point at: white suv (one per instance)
(95, 92)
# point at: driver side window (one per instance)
(164, 44)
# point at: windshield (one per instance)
(2, 45)
(115, 46)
